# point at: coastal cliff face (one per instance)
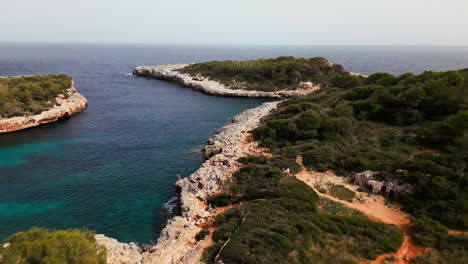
(177, 243)
(170, 73)
(66, 107)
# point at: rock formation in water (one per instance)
(177, 243)
(65, 107)
(170, 73)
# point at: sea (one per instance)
(112, 168)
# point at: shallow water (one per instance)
(112, 168)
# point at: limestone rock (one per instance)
(210, 150)
(120, 253)
(375, 185)
(389, 188)
(202, 84)
(363, 178)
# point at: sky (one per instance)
(237, 22)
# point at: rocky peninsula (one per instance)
(177, 243)
(66, 106)
(205, 85)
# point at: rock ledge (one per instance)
(170, 73)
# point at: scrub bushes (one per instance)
(277, 220)
(202, 234)
(38, 245)
(282, 73)
(415, 124)
(30, 95)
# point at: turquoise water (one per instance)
(113, 167)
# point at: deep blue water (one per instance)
(112, 168)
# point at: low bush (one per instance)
(38, 245)
(30, 95)
(220, 219)
(202, 234)
(282, 73)
(342, 193)
(429, 233)
(219, 200)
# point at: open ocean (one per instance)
(112, 168)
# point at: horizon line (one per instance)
(235, 45)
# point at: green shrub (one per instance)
(38, 245)
(219, 200)
(30, 95)
(432, 256)
(202, 234)
(342, 193)
(253, 159)
(220, 219)
(283, 73)
(429, 233)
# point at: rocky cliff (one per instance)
(65, 107)
(170, 73)
(177, 243)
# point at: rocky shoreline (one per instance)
(67, 107)
(177, 243)
(170, 73)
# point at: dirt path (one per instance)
(457, 232)
(374, 206)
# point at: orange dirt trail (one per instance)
(375, 208)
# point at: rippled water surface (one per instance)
(112, 168)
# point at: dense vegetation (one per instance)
(410, 128)
(282, 73)
(72, 246)
(279, 219)
(444, 248)
(30, 95)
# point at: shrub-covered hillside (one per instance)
(37, 245)
(282, 73)
(411, 128)
(30, 95)
(279, 219)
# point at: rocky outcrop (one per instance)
(389, 189)
(65, 107)
(199, 83)
(177, 243)
(211, 148)
(120, 253)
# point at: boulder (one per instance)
(363, 178)
(390, 188)
(211, 150)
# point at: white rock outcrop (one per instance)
(389, 188)
(205, 85)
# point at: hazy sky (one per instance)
(297, 22)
